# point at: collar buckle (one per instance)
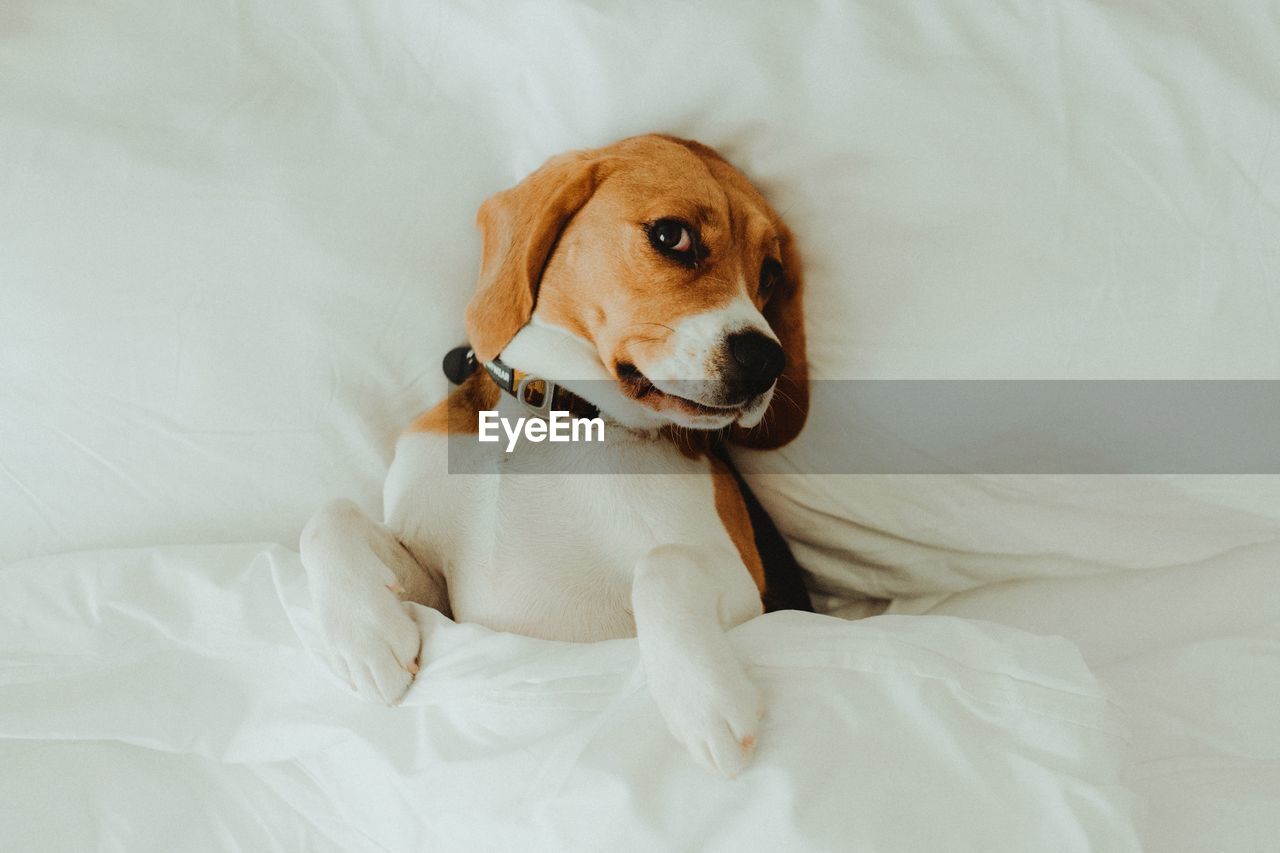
(540, 396)
(537, 395)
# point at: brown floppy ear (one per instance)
(789, 408)
(519, 228)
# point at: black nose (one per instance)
(758, 359)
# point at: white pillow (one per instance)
(236, 250)
(1087, 193)
(239, 241)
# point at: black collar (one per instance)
(538, 395)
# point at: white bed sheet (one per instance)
(1192, 655)
(165, 699)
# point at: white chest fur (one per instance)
(550, 555)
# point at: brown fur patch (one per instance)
(732, 510)
(460, 411)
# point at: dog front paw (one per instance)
(715, 717)
(373, 643)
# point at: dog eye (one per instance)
(770, 277)
(673, 238)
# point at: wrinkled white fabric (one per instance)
(238, 240)
(1192, 655)
(163, 699)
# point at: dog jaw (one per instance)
(552, 352)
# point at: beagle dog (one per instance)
(650, 281)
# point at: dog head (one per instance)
(663, 265)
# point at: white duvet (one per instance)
(166, 700)
(1190, 653)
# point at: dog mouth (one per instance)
(641, 388)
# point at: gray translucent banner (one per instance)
(974, 427)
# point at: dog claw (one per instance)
(396, 588)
